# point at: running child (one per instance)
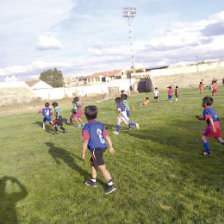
(201, 87)
(122, 116)
(58, 118)
(156, 94)
(96, 138)
(47, 113)
(124, 98)
(170, 93)
(177, 93)
(78, 113)
(213, 126)
(215, 88)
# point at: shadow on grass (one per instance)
(48, 127)
(8, 201)
(61, 154)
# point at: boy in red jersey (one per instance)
(170, 93)
(213, 127)
(95, 137)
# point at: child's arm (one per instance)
(57, 114)
(84, 147)
(112, 151)
(199, 118)
(212, 124)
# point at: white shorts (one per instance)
(123, 118)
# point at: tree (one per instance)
(53, 77)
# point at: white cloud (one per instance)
(48, 42)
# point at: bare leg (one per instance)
(105, 172)
(93, 171)
(220, 140)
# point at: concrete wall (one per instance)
(187, 76)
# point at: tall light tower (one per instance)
(130, 14)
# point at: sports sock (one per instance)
(93, 180)
(131, 124)
(43, 125)
(206, 145)
(109, 182)
(118, 128)
(62, 128)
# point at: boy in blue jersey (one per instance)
(122, 116)
(95, 138)
(47, 113)
(213, 127)
(124, 98)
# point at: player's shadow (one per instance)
(59, 154)
(8, 200)
(110, 126)
(47, 127)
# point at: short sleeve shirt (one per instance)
(208, 113)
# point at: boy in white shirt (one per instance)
(156, 94)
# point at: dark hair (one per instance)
(147, 98)
(208, 100)
(122, 91)
(118, 99)
(176, 86)
(156, 88)
(47, 104)
(200, 82)
(76, 99)
(54, 104)
(124, 96)
(91, 112)
(170, 87)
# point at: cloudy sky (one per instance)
(87, 36)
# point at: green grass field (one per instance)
(158, 170)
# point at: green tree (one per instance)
(53, 77)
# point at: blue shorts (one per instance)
(170, 97)
(48, 119)
(128, 113)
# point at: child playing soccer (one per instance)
(214, 88)
(177, 93)
(156, 94)
(213, 127)
(77, 115)
(58, 118)
(94, 137)
(201, 87)
(47, 113)
(170, 93)
(124, 98)
(122, 116)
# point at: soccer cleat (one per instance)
(90, 183)
(204, 153)
(116, 133)
(137, 125)
(110, 189)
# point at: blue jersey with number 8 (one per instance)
(94, 132)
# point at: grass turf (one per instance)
(158, 170)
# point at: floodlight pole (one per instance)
(130, 14)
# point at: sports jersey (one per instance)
(74, 109)
(170, 92)
(208, 113)
(120, 107)
(79, 105)
(156, 93)
(47, 112)
(95, 132)
(58, 110)
(125, 103)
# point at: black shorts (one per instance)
(58, 121)
(97, 157)
(156, 97)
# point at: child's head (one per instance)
(47, 104)
(207, 101)
(146, 98)
(76, 99)
(176, 87)
(54, 104)
(156, 88)
(169, 87)
(91, 112)
(118, 100)
(122, 91)
(124, 97)
(200, 82)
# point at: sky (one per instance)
(81, 37)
